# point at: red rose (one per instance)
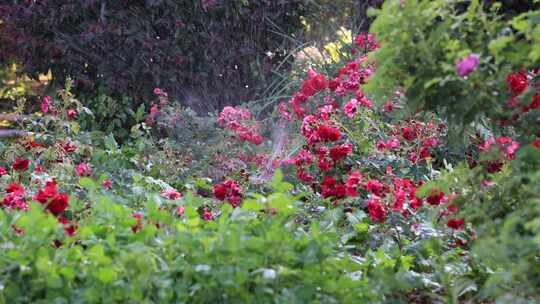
(320, 82)
(435, 197)
(339, 152)
(456, 223)
(207, 215)
(408, 133)
(69, 229)
(69, 147)
(15, 189)
(326, 133)
(21, 164)
(138, 225)
(376, 210)
(517, 82)
(58, 203)
(220, 192)
(46, 193)
(494, 166)
(535, 104)
(308, 88)
(374, 186)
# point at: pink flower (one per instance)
(467, 65)
(71, 114)
(282, 108)
(83, 169)
(171, 194)
(45, 104)
(351, 107)
(107, 184)
(207, 215)
(366, 102)
(3, 171)
(304, 157)
(388, 106)
(180, 210)
(158, 91)
(486, 183)
(366, 41)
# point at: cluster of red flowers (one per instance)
(15, 193)
(228, 191)
(518, 83)
(499, 149)
(163, 101)
(366, 41)
(505, 145)
(55, 201)
(418, 139)
(327, 151)
(14, 198)
(238, 119)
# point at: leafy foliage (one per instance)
(349, 194)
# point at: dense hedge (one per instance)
(219, 48)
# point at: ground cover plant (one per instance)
(404, 170)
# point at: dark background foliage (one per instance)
(216, 51)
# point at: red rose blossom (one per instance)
(456, 223)
(21, 164)
(435, 197)
(59, 203)
(517, 82)
(376, 210)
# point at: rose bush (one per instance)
(356, 191)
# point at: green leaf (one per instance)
(106, 275)
(110, 143)
(495, 46)
(471, 11)
(252, 204)
(87, 183)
